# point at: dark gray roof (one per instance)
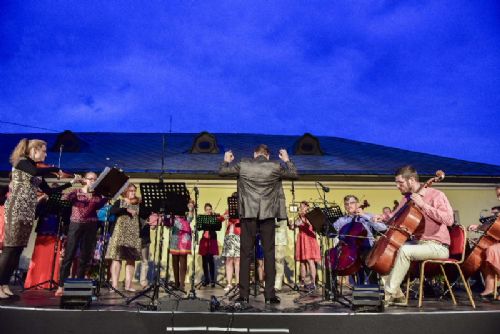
(142, 152)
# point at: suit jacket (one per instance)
(260, 190)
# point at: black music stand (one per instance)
(208, 223)
(110, 183)
(169, 199)
(322, 219)
(62, 209)
(233, 213)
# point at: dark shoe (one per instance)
(212, 285)
(241, 300)
(204, 283)
(273, 300)
(487, 298)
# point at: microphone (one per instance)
(195, 189)
(325, 188)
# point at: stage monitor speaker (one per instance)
(78, 294)
(183, 305)
(368, 298)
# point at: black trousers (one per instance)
(208, 268)
(9, 260)
(83, 235)
(249, 228)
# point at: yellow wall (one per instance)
(469, 200)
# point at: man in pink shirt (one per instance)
(431, 240)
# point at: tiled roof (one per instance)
(142, 152)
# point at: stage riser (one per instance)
(95, 322)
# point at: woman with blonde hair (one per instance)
(125, 242)
(20, 207)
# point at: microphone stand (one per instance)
(192, 292)
(295, 286)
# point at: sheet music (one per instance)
(99, 179)
(110, 178)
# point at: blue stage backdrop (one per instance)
(419, 75)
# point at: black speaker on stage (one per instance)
(78, 294)
(184, 305)
(368, 298)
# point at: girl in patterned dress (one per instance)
(231, 250)
(180, 245)
(125, 242)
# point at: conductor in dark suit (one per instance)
(261, 202)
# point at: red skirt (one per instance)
(307, 247)
(41, 262)
(208, 246)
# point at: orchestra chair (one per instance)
(458, 240)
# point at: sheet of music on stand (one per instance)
(232, 204)
(111, 183)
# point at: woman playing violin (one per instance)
(307, 248)
(491, 265)
(20, 207)
(82, 228)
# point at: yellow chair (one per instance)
(458, 237)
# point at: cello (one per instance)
(345, 259)
(399, 229)
(476, 257)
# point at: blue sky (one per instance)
(419, 75)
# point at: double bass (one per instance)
(345, 258)
(399, 229)
(476, 257)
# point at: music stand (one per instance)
(169, 199)
(59, 207)
(208, 223)
(322, 219)
(233, 213)
(110, 183)
(332, 214)
(233, 207)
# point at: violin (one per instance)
(60, 174)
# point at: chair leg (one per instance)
(496, 287)
(448, 285)
(466, 285)
(408, 289)
(421, 284)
